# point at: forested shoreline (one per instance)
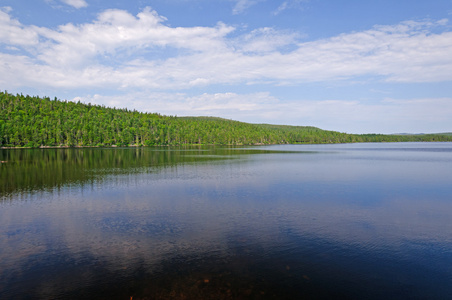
(31, 121)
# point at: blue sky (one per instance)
(350, 66)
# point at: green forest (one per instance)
(31, 121)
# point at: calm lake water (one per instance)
(349, 221)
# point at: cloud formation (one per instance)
(242, 5)
(13, 33)
(76, 3)
(290, 4)
(122, 52)
(117, 50)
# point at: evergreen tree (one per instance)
(33, 122)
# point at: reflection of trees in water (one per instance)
(41, 169)
(45, 169)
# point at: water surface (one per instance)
(348, 221)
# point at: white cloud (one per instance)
(281, 8)
(117, 30)
(14, 33)
(290, 4)
(242, 5)
(6, 9)
(118, 51)
(76, 3)
(264, 40)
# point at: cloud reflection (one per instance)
(286, 212)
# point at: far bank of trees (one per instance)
(27, 121)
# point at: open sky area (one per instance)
(355, 66)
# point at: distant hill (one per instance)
(443, 133)
(30, 121)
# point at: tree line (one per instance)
(31, 121)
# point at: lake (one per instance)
(343, 221)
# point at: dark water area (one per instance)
(349, 221)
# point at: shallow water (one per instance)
(349, 221)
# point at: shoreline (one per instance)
(256, 144)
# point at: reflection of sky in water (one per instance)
(347, 208)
